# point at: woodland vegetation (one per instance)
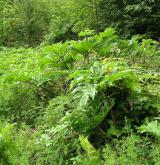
(79, 82)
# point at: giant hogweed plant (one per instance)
(97, 91)
(111, 88)
(87, 107)
(103, 97)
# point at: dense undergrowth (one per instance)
(93, 101)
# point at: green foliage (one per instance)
(15, 145)
(131, 17)
(86, 33)
(5, 143)
(24, 22)
(152, 128)
(131, 150)
(92, 154)
(81, 102)
(31, 22)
